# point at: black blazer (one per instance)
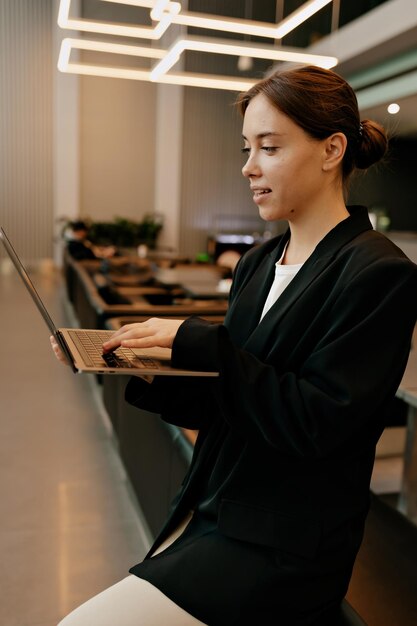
(288, 431)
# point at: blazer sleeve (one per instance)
(180, 400)
(342, 384)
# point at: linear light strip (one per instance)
(299, 16)
(146, 4)
(257, 51)
(189, 79)
(158, 7)
(243, 27)
(167, 12)
(140, 32)
(106, 46)
(236, 49)
(106, 72)
(64, 55)
(250, 27)
(185, 80)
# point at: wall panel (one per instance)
(117, 148)
(117, 130)
(215, 196)
(26, 125)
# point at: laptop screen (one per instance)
(28, 283)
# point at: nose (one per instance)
(251, 167)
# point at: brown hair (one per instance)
(322, 103)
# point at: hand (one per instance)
(153, 332)
(61, 357)
(57, 350)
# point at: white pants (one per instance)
(130, 602)
(133, 602)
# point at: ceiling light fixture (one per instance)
(165, 12)
(185, 78)
(167, 60)
(393, 108)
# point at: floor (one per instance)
(69, 526)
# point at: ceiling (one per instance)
(403, 124)
(378, 56)
(375, 45)
(365, 46)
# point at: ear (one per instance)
(334, 151)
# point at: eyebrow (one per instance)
(266, 134)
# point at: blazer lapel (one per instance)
(245, 311)
(323, 254)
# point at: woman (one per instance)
(80, 248)
(270, 516)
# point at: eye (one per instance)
(245, 150)
(269, 149)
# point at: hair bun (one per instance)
(372, 144)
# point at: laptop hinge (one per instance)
(65, 349)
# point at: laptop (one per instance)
(83, 347)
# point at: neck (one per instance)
(309, 229)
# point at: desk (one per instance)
(189, 274)
(87, 289)
(204, 290)
(198, 282)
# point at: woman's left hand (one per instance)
(154, 332)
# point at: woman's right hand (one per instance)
(61, 357)
(57, 351)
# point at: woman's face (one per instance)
(284, 165)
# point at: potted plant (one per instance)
(123, 232)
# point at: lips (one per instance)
(260, 191)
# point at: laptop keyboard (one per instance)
(90, 346)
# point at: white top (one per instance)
(283, 276)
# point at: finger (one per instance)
(131, 331)
(113, 342)
(55, 346)
(124, 329)
(137, 330)
(57, 351)
(121, 330)
(154, 332)
(144, 342)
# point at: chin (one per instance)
(270, 215)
